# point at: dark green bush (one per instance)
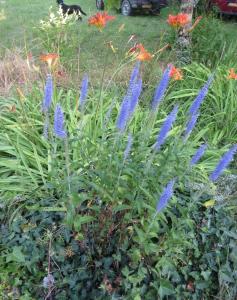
(190, 253)
(212, 43)
(80, 267)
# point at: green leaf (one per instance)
(165, 288)
(206, 274)
(121, 208)
(17, 255)
(80, 220)
(40, 208)
(226, 277)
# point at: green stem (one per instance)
(152, 221)
(117, 71)
(102, 84)
(67, 164)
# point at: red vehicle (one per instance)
(227, 7)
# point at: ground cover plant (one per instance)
(114, 188)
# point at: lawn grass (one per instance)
(22, 16)
(89, 50)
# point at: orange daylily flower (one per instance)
(183, 19)
(133, 49)
(142, 55)
(49, 58)
(232, 74)
(172, 21)
(176, 73)
(100, 19)
(179, 20)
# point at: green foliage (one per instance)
(187, 253)
(24, 158)
(219, 107)
(203, 7)
(98, 221)
(221, 46)
(33, 163)
(185, 256)
(112, 4)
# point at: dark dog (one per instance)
(70, 9)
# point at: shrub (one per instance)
(91, 218)
(221, 47)
(59, 33)
(188, 253)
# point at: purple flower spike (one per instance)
(223, 163)
(161, 88)
(48, 94)
(123, 115)
(190, 125)
(200, 97)
(135, 96)
(198, 155)
(166, 128)
(59, 123)
(84, 89)
(130, 101)
(135, 73)
(165, 196)
(128, 147)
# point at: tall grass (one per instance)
(220, 106)
(30, 161)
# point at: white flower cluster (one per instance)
(2, 15)
(57, 20)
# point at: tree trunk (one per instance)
(183, 43)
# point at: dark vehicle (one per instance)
(226, 7)
(127, 7)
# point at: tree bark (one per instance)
(183, 43)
